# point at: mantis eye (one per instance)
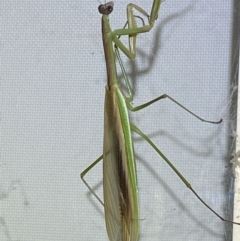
(106, 8)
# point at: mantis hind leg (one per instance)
(184, 180)
(85, 182)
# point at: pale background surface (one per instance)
(52, 93)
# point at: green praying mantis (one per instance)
(119, 167)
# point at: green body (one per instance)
(119, 167)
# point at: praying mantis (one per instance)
(119, 167)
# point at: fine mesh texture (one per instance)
(53, 81)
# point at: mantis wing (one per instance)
(119, 171)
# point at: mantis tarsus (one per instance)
(119, 168)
